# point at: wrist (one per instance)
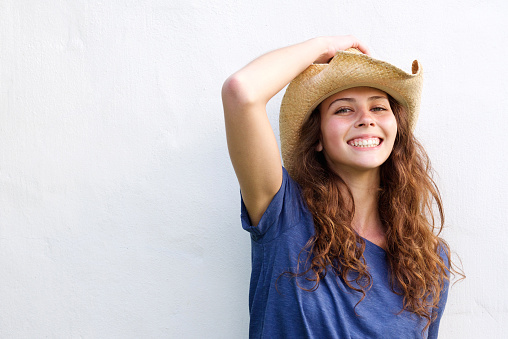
(324, 50)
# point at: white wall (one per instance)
(119, 209)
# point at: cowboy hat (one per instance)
(346, 70)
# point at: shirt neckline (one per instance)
(373, 246)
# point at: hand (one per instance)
(339, 43)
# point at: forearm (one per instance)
(257, 82)
(265, 76)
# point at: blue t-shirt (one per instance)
(280, 309)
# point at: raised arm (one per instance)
(251, 141)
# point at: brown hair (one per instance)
(407, 193)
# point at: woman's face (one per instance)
(358, 129)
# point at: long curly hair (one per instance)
(407, 199)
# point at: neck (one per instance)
(365, 189)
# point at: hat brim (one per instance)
(346, 70)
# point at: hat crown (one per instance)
(353, 50)
(350, 68)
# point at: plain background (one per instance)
(119, 209)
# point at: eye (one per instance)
(343, 110)
(379, 109)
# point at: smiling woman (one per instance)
(351, 120)
(344, 243)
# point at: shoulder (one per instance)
(444, 252)
(286, 210)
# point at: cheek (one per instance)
(394, 128)
(390, 125)
(333, 129)
(391, 131)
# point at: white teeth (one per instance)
(371, 142)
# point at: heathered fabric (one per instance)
(280, 309)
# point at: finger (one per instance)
(362, 47)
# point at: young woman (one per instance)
(343, 241)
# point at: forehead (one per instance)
(357, 93)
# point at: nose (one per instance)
(365, 119)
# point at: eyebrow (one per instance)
(375, 97)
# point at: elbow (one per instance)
(236, 92)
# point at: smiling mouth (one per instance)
(365, 143)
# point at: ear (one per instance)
(319, 146)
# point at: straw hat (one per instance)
(347, 69)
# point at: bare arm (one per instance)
(251, 141)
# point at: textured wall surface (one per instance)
(119, 209)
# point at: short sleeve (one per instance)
(282, 213)
(434, 326)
